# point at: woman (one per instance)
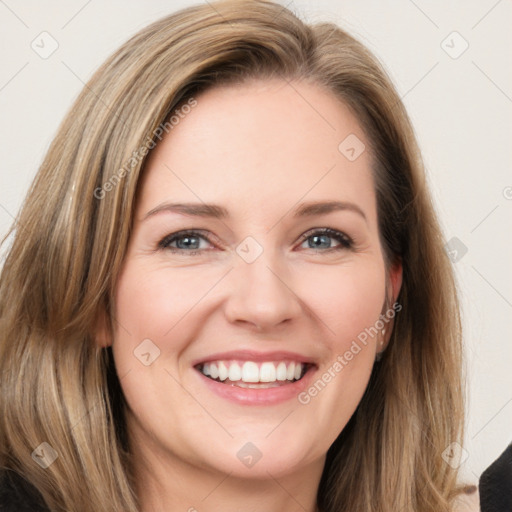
(228, 289)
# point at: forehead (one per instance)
(260, 146)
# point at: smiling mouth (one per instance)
(249, 374)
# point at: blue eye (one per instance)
(189, 242)
(185, 241)
(322, 239)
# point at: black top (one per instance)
(495, 484)
(17, 495)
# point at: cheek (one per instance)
(157, 304)
(348, 300)
(150, 301)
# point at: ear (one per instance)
(102, 332)
(395, 279)
(393, 289)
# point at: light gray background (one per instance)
(461, 109)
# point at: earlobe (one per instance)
(394, 286)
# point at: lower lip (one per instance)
(264, 396)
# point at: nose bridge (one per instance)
(260, 294)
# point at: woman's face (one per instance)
(254, 257)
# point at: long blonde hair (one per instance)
(59, 387)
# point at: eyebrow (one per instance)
(194, 209)
(322, 208)
(219, 212)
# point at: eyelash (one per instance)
(345, 242)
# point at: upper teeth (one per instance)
(250, 371)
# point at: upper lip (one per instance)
(252, 355)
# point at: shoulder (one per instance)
(496, 484)
(17, 495)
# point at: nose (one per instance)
(261, 294)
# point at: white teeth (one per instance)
(251, 372)
(281, 371)
(235, 372)
(223, 371)
(267, 372)
(214, 371)
(290, 373)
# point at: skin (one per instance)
(259, 150)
